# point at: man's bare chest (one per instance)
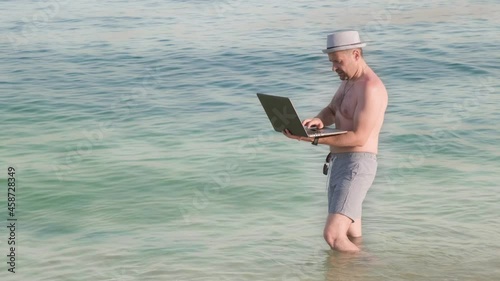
(345, 105)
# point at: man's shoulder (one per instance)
(374, 88)
(374, 84)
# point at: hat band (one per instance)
(344, 45)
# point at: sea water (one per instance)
(142, 152)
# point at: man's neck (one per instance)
(359, 72)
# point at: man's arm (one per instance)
(327, 115)
(367, 111)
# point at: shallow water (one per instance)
(142, 152)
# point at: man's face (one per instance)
(341, 63)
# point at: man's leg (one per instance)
(350, 177)
(354, 230)
(335, 233)
(354, 233)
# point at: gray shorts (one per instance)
(349, 177)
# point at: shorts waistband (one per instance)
(354, 155)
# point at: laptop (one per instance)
(282, 115)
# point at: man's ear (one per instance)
(356, 54)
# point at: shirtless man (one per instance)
(358, 107)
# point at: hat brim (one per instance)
(331, 50)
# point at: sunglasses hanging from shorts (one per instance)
(327, 162)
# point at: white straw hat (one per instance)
(343, 40)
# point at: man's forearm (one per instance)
(348, 139)
(327, 116)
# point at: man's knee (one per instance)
(336, 228)
(330, 241)
(330, 237)
(335, 241)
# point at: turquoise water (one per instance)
(142, 152)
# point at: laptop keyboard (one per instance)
(314, 132)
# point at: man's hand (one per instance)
(299, 138)
(313, 122)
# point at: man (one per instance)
(358, 107)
